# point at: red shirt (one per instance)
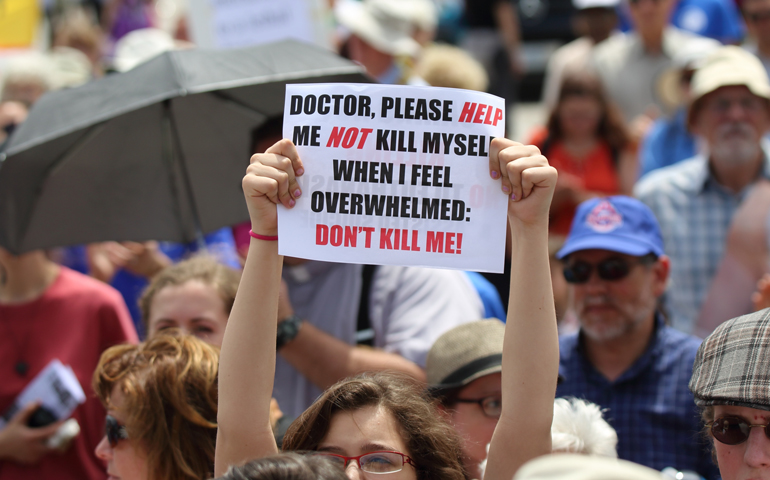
(596, 171)
(75, 320)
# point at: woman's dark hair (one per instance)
(431, 442)
(287, 466)
(707, 415)
(612, 127)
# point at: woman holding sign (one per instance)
(381, 423)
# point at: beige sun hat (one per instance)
(725, 67)
(566, 466)
(690, 57)
(465, 353)
(387, 25)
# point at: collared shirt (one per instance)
(694, 212)
(630, 73)
(649, 405)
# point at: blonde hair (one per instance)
(169, 385)
(204, 268)
(447, 66)
(578, 427)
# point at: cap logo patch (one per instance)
(604, 218)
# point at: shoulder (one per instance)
(72, 285)
(613, 51)
(678, 348)
(681, 176)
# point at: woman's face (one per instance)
(362, 431)
(194, 307)
(475, 427)
(127, 460)
(579, 115)
(749, 460)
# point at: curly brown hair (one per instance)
(432, 443)
(203, 268)
(169, 384)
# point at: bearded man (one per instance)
(695, 200)
(625, 358)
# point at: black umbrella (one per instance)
(157, 152)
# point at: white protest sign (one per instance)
(395, 175)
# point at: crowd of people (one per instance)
(629, 336)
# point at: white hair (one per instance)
(578, 427)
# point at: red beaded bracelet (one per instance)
(270, 238)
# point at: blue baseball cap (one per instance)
(618, 224)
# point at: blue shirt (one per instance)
(717, 19)
(649, 405)
(667, 143)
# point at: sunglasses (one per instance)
(734, 430)
(492, 406)
(611, 269)
(373, 462)
(114, 431)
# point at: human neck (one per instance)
(26, 277)
(652, 40)
(613, 357)
(736, 177)
(578, 145)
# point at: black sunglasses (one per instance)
(734, 430)
(114, 431)
(610, 269)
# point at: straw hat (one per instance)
(690, 57)
(728, 66)
(465, 353)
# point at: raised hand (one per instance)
(527, 179)
(272, 179)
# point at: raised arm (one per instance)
(531, 349)
(247, 361)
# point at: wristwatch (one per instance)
(288, 328)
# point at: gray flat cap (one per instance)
(732, 366)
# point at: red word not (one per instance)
(480, 113)
(444, 242)
(348, 137)
(398, 239)
(337, 236)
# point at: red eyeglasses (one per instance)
(373, 462)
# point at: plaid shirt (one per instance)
(694, 212)
(649, 405)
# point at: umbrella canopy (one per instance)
(155, 153)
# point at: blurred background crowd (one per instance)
(661, 106)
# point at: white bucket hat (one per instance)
(725, 67)
(385, 24)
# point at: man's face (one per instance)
(749, 460)
(611, 309)
(757, 15)
(650, 15)
(733, 121)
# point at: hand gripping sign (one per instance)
(395, 175)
